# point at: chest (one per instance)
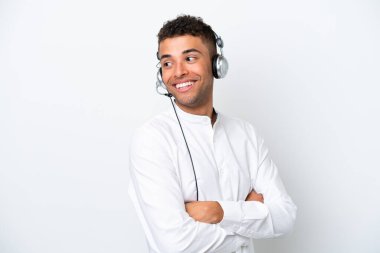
(219, 166)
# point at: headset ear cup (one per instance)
(215, 66)
(222, 66)
(159, 76)
(159, 81)
(219, 66)
(160, 85)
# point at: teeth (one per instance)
(181, 85)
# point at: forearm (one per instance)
(205, 211)
(250, 218)
(254, 219)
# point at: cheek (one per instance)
(208, 67)
(204, 69)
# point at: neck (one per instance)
(206, 110)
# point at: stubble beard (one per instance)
(195, 100)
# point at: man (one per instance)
(202, 181)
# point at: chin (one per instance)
(188, 102)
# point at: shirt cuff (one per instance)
(232, 215)
(235, 212)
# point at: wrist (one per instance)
(220, 212)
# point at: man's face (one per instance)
(186, 70)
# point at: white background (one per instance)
(77, 77)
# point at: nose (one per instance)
(180, 70)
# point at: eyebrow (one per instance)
(184, 52)
(191, 50)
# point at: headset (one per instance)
(219, 70)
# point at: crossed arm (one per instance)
(211, 211)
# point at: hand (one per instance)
(253, 196)
(205, 211)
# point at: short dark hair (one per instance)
(188, 25)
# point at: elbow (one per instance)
(284, 224)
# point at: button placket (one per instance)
(220, 162)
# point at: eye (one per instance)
(167, 64)
(190, 58)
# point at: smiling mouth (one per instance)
(184, 86)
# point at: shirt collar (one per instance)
(194, 118)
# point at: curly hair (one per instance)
(188, 25)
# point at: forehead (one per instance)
(176, 45)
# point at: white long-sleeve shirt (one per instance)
(230, 161)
